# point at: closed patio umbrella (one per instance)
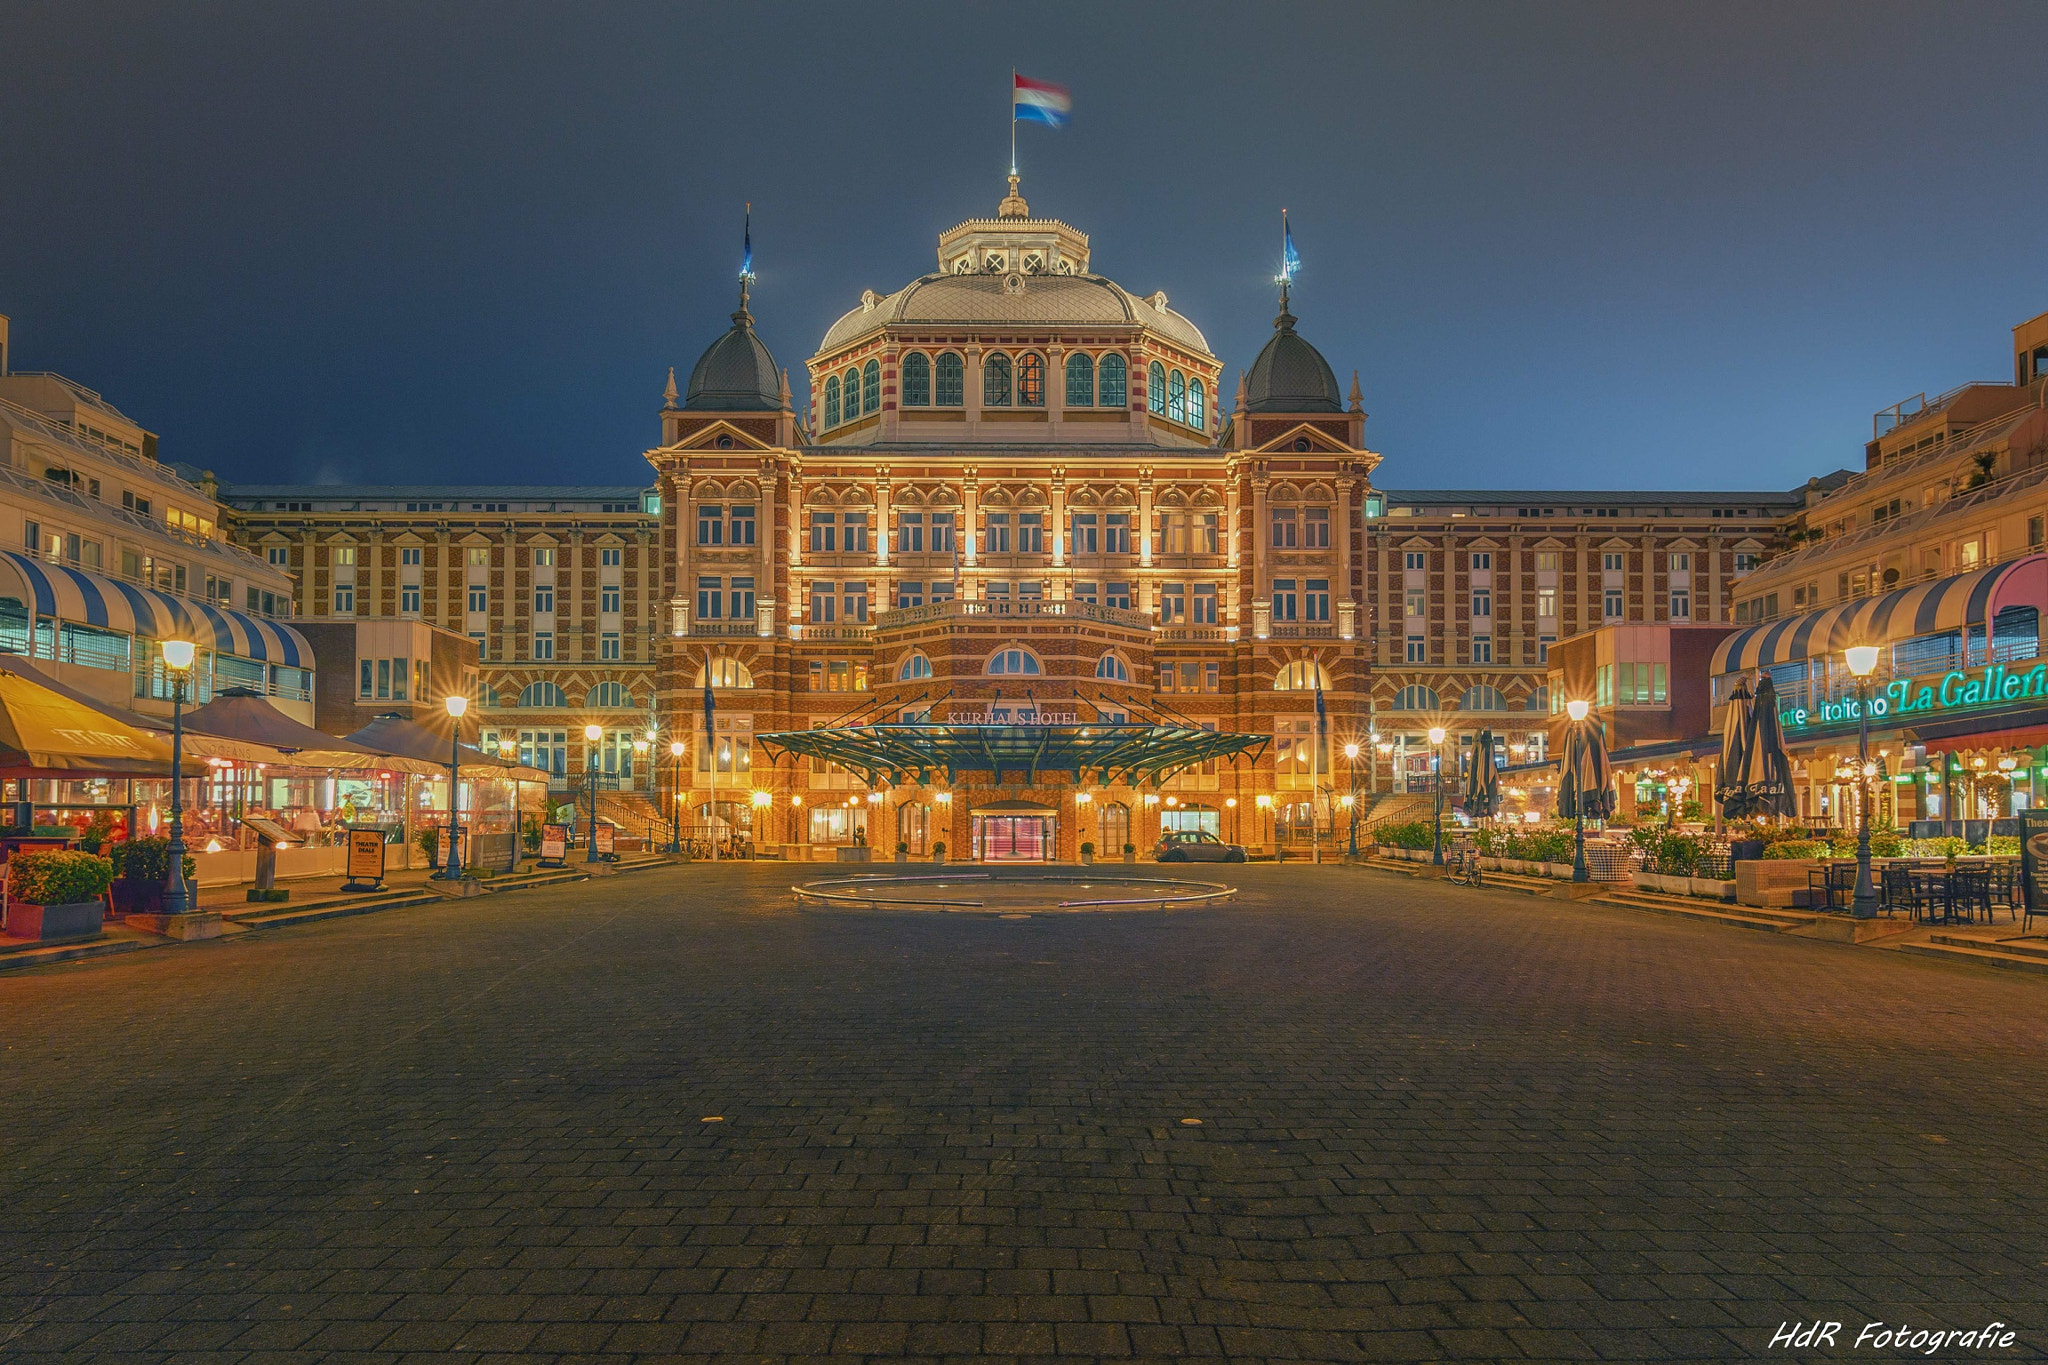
(1584, 789)
(1728, 788)
(1482, 797)
(1766, 770)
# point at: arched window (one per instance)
(1539, 700)
(1415, 697)
(1303, 675)
(611, 694)
(486, 695)
(995, 381)
(1080, 380)
(1111, 383)
(917, 380)
(542, 694)
(832, 401)
(725, 672)
(1177, 398)
(951, 391)
(871, 387)
(1031, 380)
(1112, 667)
(1198, 403)
(849, 394)
(1014, 662)
(1483, 698)
(1155, 388)
(914, 667)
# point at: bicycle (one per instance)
(1465, 867)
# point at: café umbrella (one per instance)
(1766, 769)
(1482, 787)
(1728, 788)
(1584, 790)
(45, 730)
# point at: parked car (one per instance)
(1196, 846)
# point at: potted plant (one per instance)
(94, 836)
(140, 867)
(428, 841)
(56, 893)
(938, 850)
(1087, 854)
(902, 851)
(1130, 853)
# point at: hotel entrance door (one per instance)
(1015, 832)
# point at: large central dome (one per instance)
(1013, 340)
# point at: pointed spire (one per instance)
(668, 395)
(743, 318)
(1286, 320)
(783, 393)
(1357, 395)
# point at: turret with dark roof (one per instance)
(737, 373)
(1290, 375)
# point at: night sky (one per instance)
(1636, 246)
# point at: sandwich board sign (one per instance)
(554, 845)
(365, 860)
(606, 834)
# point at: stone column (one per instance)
(1055, 390)
(1143, 530)
(970, 516)
(1059, 518)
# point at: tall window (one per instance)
(742, 599)
(1681, 604)
(1177, 397)
(995, 381)
(871, 387)
(856, 537)
(1085, 537)
(741, 525)
(1198, 404)
(1030, 533)
(1173, 603)
(1155, 388)
(824, 604)
(1284, 603)
(1482, 601)
(856, 603)
(942, 533)
(917, 380)
(915, 667)
(1111, 382)
(995, 535)
(1113, 668)
(608, 599)
(1611, 604)
(824, 533)
(1116, 533)
(710, 598)
(832, 401)
(711, 523)
(479, 597)
(544, 597)
(1285, 535)
(910, 533)
(1205, 604)
(1080, 380)
(1031, 380)
(950, 392)
(1315, 599)
(1315, 528)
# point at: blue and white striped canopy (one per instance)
(62, 593)
(1922, 609)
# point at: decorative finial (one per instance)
(783, 392)
(1357, 395)
(743, 318)
(1013, 206)
(1286, 320)
(1243, 390)
(668, 395)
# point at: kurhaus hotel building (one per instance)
(1017, 496)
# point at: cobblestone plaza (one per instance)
(1351, 1117)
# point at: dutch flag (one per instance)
(1041, 102)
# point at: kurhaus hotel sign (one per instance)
(1955, 690)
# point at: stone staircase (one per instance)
(1713, 912)
(1392, 808)
(2013, 954)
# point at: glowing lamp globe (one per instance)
(593, 733)
(1862, 659)
(456, 704)
(675, 748)
(178, 654)
(1577, 709)
(1436, 734)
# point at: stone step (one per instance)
(1716, 912)
(282, 915)
(2021, 948)
(15, 956)
(1956, 951)
(1516, 881)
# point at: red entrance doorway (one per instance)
(1015, 832)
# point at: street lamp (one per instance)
(1863, 662)
(1436, 827)
(178, 655)
(1577, 711)
(591, 734)
(675, 796)
(1351, 757)
(451, 866)
(1230, 804)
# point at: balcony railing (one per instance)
(743, 627)
(1027, 607)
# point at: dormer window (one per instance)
(1034, 263)
(964, 266)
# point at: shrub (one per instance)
(1130, 848)
(1797, 848)
(1414, 834)
(95, 835)
(1947, 846)
(939, 847)
(1542, 846)
(428, 841)
(148, 860)
(529, 834)
(902, 846)
(57, 876)
(1087, 848)
(1679, 855)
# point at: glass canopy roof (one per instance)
(1133, 754)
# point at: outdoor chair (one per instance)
(1971, 892)
(1895, 888)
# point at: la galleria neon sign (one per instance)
(1955, 690)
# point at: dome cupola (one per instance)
(1290, 375)
(736, 373)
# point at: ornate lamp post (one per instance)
(178, 656)
(675, 796)
(1436, 812)
(1580, 873)
(1351, 757)
(591, 734)
(451, 866)
(1863, 662)
(1230, 804)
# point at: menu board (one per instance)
(605, 834)
(366, 855)
(554, 842)
(2034, 859)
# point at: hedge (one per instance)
(148, 860)
(57, 876)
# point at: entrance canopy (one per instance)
(1134, 754)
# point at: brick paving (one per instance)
(1435, 1124)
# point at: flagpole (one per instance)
(1013, 120)
(1315, 831)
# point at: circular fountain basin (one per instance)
(993, 893)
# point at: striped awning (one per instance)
(1922, 609)
(62, 593)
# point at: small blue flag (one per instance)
(1322, 715)
(710, 712)
(1290, 259)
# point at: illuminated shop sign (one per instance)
(1955, 690)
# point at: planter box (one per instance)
(1131, 858)
(902, 855)
(853, 855)
(76, 919)
(1778, 883)
(938, 857)
(1087, 860)
(137, 898)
